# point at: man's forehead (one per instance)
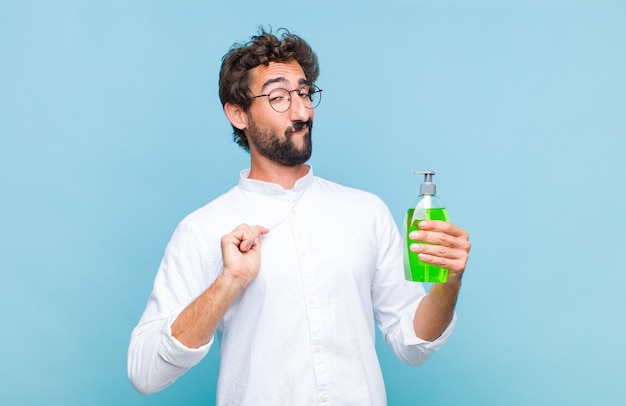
(277, 72)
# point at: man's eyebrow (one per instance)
(282, 79)
(273, 80)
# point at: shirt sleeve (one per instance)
(395, 300)
(155, 358)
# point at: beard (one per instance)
(283, 151)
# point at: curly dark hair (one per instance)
(263, 48)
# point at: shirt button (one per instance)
(323, 398)
(317, 348)
(311, 302)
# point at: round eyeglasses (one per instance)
(280, 99)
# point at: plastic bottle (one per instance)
(428, 207)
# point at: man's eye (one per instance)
(276, 99)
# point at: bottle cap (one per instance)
(427, 187)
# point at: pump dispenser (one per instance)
(428, 207)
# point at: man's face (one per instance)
(284, 138)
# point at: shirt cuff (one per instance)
(408, 331)
(175, 352)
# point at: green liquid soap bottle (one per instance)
(428, 207)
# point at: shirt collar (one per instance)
(268, 188)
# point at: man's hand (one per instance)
(450, 250)
(241, 251)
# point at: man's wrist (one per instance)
(234, 284)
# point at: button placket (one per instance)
(312, 304)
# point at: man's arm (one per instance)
(168, 341)
(450, 249)
(241, 248)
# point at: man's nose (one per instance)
(298, 110)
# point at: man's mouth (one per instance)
(301, 125)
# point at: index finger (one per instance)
(443, 226)
(249, 236)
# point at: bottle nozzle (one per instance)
(427, 187)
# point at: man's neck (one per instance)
(272, 172)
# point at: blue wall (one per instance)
(111, 131)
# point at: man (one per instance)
(291, 271)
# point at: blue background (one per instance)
(111, 132)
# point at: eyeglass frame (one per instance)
(315, 88)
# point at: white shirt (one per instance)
(302, 333)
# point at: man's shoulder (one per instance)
(333, 186)
(339, 191)
(212, 211)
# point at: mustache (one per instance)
(299, 125)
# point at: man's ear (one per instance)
(237, 117)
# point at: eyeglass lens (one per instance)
(280, 99)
